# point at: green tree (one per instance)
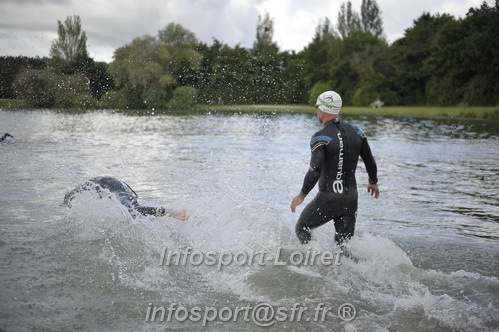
(374, 69)
(348, 20)
(294, 88)
(410, 55)
(370, 18)
(182, 44)
(266, 83)
(149, 69)
(355, 56)
(36, 87)
(480, 54)
(232, 75)
(73, 91)
(10, 67)
(202, 79)
(264, 36)
(142, 70)
(448, 73)
(70, 57)
(319, 55)
(97, 75)
(71, 43)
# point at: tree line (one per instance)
(440, 60)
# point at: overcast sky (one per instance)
(27, 27)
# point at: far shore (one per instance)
(476, 112)
(473, 112)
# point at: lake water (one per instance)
(427, 249)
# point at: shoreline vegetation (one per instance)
(474, 112)
(469, 112)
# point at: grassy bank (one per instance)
(477, 112)
(10, 103)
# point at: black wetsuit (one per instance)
(122, 191)
(335, 154)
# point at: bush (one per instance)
(112, 100)
(36, 87)
(372, 90)
(364, 96)
(84, 101)
(317, 89)
(184, 98)
(69, 87)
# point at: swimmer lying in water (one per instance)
(5, 136)
(125, 195)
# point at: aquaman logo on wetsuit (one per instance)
(338, 183)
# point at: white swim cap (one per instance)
(329, 102)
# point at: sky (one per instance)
(27, 27)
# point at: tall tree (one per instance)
(71, 43)
(371, 21)
(267, 67)
(265, 34)
(318, 55)
(348, 20)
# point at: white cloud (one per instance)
(294, 27)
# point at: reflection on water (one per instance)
(427, 248)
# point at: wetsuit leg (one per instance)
(315, 214)
(345, 227)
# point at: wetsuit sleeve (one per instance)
(150, 211)
(70, 195)
(367, 157)
(316, 162)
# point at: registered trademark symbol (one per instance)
(347, 312)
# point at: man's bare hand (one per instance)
(178, 213)
(373, 190)
(297, 201)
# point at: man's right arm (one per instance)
(314, 172)
(317, 159)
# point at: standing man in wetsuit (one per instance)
(335, 152)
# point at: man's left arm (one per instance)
(371, 166)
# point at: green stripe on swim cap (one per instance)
(329, 102)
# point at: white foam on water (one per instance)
(382, 279)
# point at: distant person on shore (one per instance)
(5, 136)
(125, 195)
(377, 104)
(335, 153)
